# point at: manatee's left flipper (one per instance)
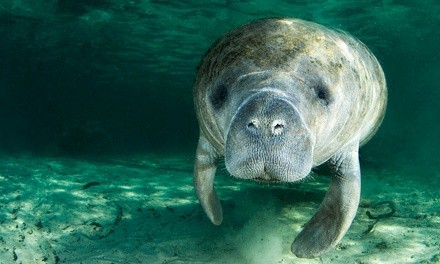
(204, 173)
(337, 211)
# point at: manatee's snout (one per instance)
(268, 140)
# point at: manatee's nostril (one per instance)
(277, 127)
(253, 125)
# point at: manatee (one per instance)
(278, 97)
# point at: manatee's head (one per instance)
(264, 94)
(268, 140)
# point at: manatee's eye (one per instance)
(219, 96)
(323, 94)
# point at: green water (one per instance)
(123, 70)
(114, 78)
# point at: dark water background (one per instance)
(115, 77)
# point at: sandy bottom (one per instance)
(143, 210)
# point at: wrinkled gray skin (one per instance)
(278, 97)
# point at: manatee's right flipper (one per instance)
(337, 211)
(204, 173)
